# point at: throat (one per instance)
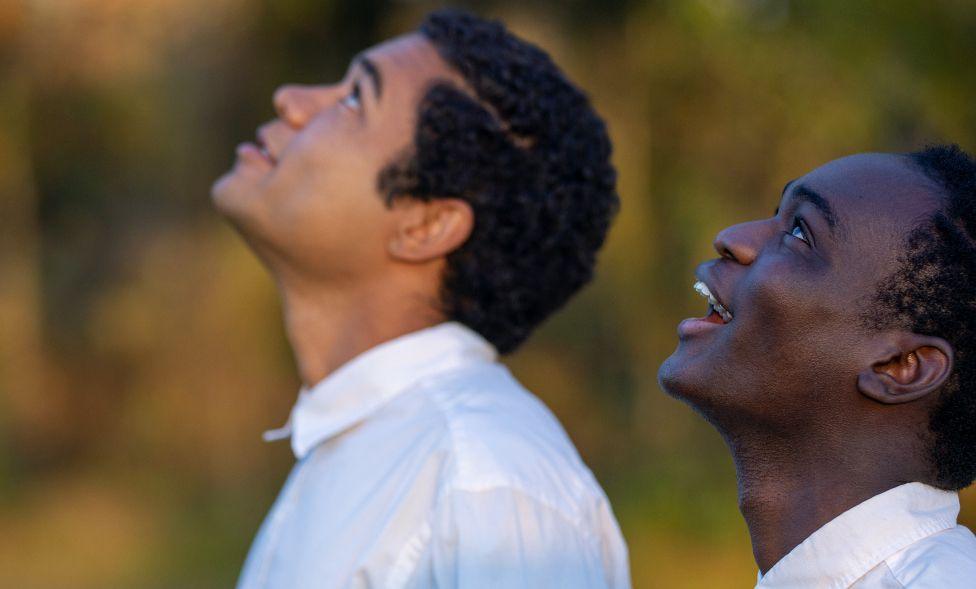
(327, 327)
(786, 494)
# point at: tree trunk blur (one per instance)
(23, 369)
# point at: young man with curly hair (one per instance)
(420, 217)
(838, 360)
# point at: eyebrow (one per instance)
(372, 71)
(803, 193)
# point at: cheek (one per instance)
(315, 181)
(785, 289)
(341, 166)
(780, 309)
(801, 322)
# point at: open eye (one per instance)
(799, 231)
(352, 100)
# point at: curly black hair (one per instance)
(933, 292)
(523, 146)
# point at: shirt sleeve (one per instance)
(502, 537)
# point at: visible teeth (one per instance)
(702, 289)
(726, 316)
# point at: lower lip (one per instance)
(251, 152)
(697, 326)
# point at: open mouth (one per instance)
(264, 150)
(717, 313)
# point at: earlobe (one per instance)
(914, 367)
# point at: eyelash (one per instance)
(354, 94)
(799, 224)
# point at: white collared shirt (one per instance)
(423, 463)
(906, 537)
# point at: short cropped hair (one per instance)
(933, 292)
(525, 148)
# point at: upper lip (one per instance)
(702, 275)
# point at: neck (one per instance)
(328, 326)
(789, 489)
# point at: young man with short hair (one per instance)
(838, 361)
(420, 217)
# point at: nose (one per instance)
(743, 242)
(297, 104)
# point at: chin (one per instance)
(673, 376)
(227, 190)
(236, 202)
(684, 379)
(233, 197)
(723, 398)
(687, 368)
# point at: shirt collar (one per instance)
(856, 541)
(365, 383)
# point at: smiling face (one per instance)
(796, 287)
(305, 195)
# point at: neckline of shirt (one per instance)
(850, 545)
(367, 382)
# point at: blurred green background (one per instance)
(142, 354)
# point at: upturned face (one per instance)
(304, 194)
(783, 338)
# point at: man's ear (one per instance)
(909, 366)
(427, 230)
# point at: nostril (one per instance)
(741, 243)
(284, 112)
(721, 246)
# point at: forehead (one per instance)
(875, 194)
(410, 62)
